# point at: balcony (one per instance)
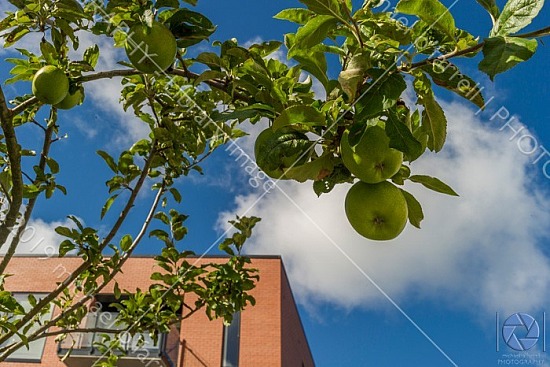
(83, 353)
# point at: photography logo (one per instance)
(520, 332)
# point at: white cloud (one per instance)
(40, 239)
(105, 93)
(481, 250)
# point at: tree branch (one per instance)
(40, 332)
(21, 107)
(30, 206)
(44, 302)
(71, 331)
(129, 72)
(538, 33)
(14, 158)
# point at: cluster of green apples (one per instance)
(51, 86)
(149, 49)
(375, 207)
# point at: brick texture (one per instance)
(271, 333)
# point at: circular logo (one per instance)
(520, 331)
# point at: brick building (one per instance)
(269, 334)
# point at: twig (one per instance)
(539, 33)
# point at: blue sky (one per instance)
(427, 299)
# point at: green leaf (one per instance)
(108, 205)
(434, 123)
(167, 4)
(503, 53)
(65, 247)
(116, 291)
(281, 149)
(379, 95)
(402, 139)
(15, 35)
(64, 231)
(354, 74)
(175, 194)
(416, 215)
(326, 7)
(447, 75)
(126, 242)
(244, 113)
(109, 160)
(313, 60)
(434, 184)
(189, 27)
(210, 59)
(316, 170)
(432, 12)
(299, 115)
(48, 52)
(209, 75)
(91, 55)
(516, 15)
(313, 32)
(265, 48)
(160, 234)
(53, 165)
(491, 7)
(296, 15)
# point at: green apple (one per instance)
(376, 211)
(371, 159)
(276, 151)
(151, 49)
(50, 85)
(71, 99)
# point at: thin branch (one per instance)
(535, 34)
(355, 29)
(450, 55)
(44, 302)
(130, 203)
(14, 158)
(71, 331)
(30, 205)
(21, 107)
(14, 346)
(38, 333)
(125, 73)
(27, 176)
(108, 75)
(539, 33)
(217, 84)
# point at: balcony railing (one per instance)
(78, 350)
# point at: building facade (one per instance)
(269, 334)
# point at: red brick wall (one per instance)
(39, 275)
(261, 324)
(296, 352)
(271, 332)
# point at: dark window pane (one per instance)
(231, 341)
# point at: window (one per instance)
(34, 352)
(231, 341)
(105, 318)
